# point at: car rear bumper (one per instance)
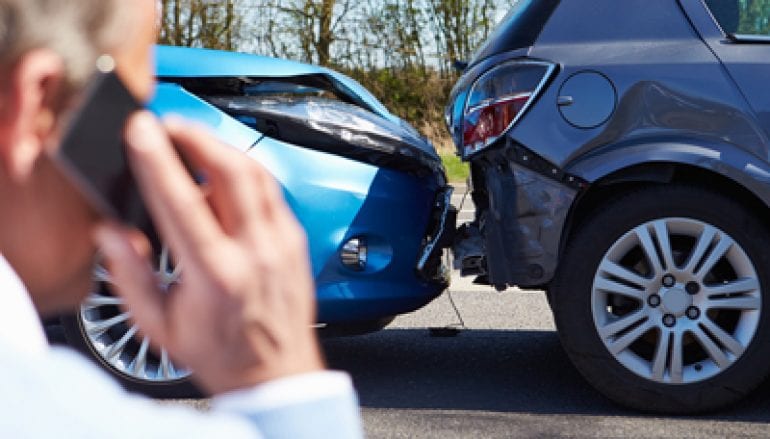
(522, 207)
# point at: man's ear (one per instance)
(29, 115)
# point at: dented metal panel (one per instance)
(184, 62)
(515, 239)
(336, 127)
(173, 99)
(522, 226)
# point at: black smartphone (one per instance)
(93, 151)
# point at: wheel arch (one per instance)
(723, 169)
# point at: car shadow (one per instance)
(484, 370)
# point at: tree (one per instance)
(754, 17)
(317, 25)
(199, 23)
(459, 26)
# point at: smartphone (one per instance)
(93, 156)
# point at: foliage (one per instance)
(416, 95)
(199, 23)
(754, 17)
(457, 171)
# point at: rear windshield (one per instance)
(520, 28)
(742, 17)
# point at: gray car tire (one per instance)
(619, 374)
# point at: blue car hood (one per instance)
(336, 127)
(185, 62)
(243, 86)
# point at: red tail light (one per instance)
(492, 120)
(499, 98)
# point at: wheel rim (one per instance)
(107, 328)
(676, 301)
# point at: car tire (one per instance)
(72, 327)
(696, 346)
(102, 329)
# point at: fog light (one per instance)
(353, 254)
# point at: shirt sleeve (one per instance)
(62, 394)
(314, 405)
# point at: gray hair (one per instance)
(78, 30)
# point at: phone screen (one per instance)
(93, 151)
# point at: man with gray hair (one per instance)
(243, 317)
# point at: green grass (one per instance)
(456, 170)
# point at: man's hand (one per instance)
(243, 311)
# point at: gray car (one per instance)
(620, 160)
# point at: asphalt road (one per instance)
(504, 375)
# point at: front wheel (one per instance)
(102, 330)
(660, 300)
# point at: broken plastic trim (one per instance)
(522, 209)
(440, 236)
(335, 127)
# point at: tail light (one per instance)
(498, 99)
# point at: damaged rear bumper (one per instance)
(522, 207)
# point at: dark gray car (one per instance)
(620, 161)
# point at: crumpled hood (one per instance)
(336, 127)
(185, 62)
(282, 99)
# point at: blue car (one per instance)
(369, 190)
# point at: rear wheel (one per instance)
(660, 300)
(102, 330)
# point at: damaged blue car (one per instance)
(370, 191)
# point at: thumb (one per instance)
(134, 280)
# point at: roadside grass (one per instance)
(456, 170)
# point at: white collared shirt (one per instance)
(20, 328)
(55, 392)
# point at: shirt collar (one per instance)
(20, 326)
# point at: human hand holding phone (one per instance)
(243, 311)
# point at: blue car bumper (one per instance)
(337, 199)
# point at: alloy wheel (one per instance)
(676, 301)
(108, 329)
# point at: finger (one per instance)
(273, 200)
(279, 215)
(133, 279)
(233, 191)
(282, 224)
(290, 238)
(178, 206)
